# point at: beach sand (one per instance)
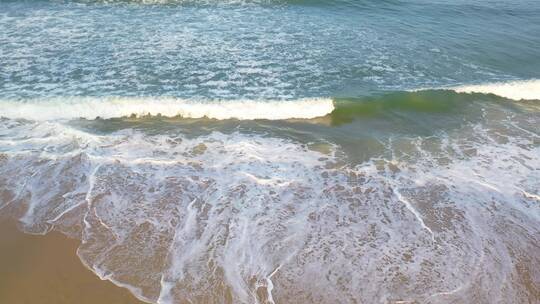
(46, 270)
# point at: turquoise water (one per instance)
(280, 151)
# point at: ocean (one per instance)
(280, 151)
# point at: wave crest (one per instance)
(111, 107)
(516, 90)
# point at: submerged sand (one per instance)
(46, 270)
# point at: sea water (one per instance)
(229, 151)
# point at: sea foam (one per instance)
(176, 218)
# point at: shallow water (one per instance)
(280, 152)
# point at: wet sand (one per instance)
(46, 270)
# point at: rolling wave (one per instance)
(424, 100)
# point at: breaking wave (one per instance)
(111, 107)
(516, 90)
(449, 99)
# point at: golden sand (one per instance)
(46, 270)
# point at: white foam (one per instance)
(266, 219)
(516, 90)
(110, 107)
